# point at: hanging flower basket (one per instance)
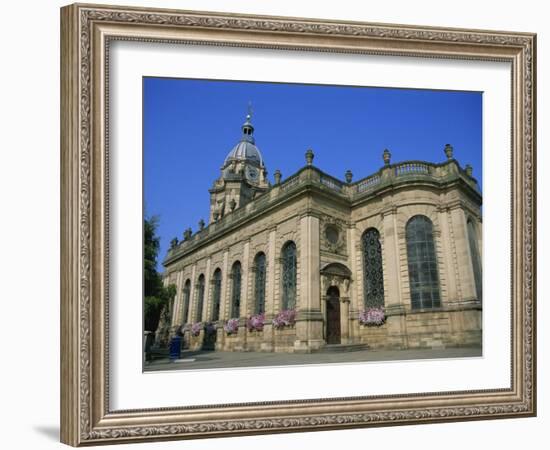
(231, 326)
(285, 318)
(372, 316)
(196, 328)
(256, 322)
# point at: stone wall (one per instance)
(327, 229)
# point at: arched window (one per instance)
(423, 276)
(186, 298)
(236, 293)
(288, 256)
(476, 261)
(200, 298)
(216, 294)
(259, 283)
(373, 280)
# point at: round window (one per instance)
(332, 233)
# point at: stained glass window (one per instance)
(476, 262)
(259, 264)
(216, 294)
(186, 296)
(236, 293)
(373, 290)
(423, 274)
(200, 298)
(289, 275)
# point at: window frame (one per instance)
(424, 255)
(289, 288)
(378, 302)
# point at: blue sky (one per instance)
(189, 126)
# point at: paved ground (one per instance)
(214, 360)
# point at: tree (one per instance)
(157, 298)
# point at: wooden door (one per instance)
(333, 316)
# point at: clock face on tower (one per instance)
(252, 173)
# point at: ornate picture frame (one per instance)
(86, 34)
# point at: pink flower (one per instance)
(372, 316)
(285, 318)
(256, 322)
(231, 326)
(196, 328)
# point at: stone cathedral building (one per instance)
(404, 241)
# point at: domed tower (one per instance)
(243, 176)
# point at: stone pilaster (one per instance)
(245, 275)
(355, 269)
(393, 298)
(310, 264)
(463, 261)
(345, 320)
(207, 291)
(309, 332)
(267, 344)
(270, 273)
(192, 295)
(451, 269)
(176, 312)
(225, 309)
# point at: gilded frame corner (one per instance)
(86, 31)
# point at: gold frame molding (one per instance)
(86, 31)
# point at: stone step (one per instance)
(339, 348)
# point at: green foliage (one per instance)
(158, 298)
(151, 245)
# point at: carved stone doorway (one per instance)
(333, 331)
(335, 284)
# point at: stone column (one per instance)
(192, 295)
(393, 298)
(463, 261)
(225, 308)
(448, 244)
(354, 305)
(267, 344)
(176, 311)
(245, 301)
(309, 321)
(245, 289)
(394, 263)
(344, 311)
(270, 274)
(207, 289)
(224, 314)
(177, 300)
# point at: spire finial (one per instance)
(448, 151)
(248, 128)
(386, 156)
(309, 157)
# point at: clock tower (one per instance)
(243, 176)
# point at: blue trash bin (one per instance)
(175, 348)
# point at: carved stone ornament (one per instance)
(87, 417)
(338, 275)
(341, 282)
(333, 235)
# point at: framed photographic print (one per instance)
(276, 224)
